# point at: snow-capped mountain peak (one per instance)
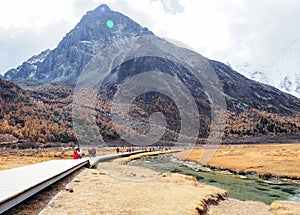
(257, 72)
(284, 76)
(96, 30)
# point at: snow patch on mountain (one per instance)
(39, 58)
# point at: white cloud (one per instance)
(171, 6)
(20, 43)
(237, 31)
(33, 13)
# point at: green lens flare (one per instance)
(110, 23)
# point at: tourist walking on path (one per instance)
(75, 153)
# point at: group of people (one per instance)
(77, 153)
(92, 152)
(146, 149)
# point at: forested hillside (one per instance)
(35, 115)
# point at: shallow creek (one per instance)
(238, 187)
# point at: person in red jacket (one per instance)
(75, 153)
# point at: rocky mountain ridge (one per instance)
(96, 30)
(28, 69)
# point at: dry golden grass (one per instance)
(236, 207)
(16, 158)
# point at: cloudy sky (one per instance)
(235, 31)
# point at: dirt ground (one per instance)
(236, 207)
(281, 160)
(133, 190)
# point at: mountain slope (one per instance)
(253, 108)
(35, 115)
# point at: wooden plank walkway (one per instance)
(21, 183)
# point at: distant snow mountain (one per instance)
(289, 69)
(258, 73)
(284, 76)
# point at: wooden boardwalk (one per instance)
(21, 183)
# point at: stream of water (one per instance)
(238, 187)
